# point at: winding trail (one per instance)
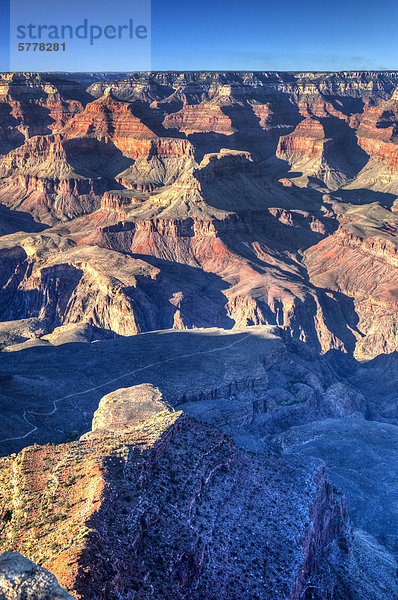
(97, 387)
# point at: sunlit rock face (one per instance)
(236, 183)
(198, 303)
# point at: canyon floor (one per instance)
(198, 316)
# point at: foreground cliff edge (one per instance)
(159, 500)
(198, 279)
(21, 578)
(166, 507)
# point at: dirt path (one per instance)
(98, 387)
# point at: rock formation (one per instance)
(21, 578)
(229, 242)
(232, 176)
(156, 507)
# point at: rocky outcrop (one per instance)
(247, 223)
(127, 407)
(377, 132)
(115, 201)
(307, 141)
(33, 104)
(200, 118)
(182, 168)
(73, 288)
(382, 151)
(369, 276)
(153, 507)
(55, 179)
(21, 579)
(109, 119)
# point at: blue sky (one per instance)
(257, 35)
(4, 34)
(275, 35)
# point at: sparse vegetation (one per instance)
(7, 515)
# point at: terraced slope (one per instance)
(198, 306)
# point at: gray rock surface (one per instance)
(21, 579)
(127, 407)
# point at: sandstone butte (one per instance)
(229, 242)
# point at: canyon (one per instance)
(199, 324)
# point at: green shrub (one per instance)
(7, 516)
